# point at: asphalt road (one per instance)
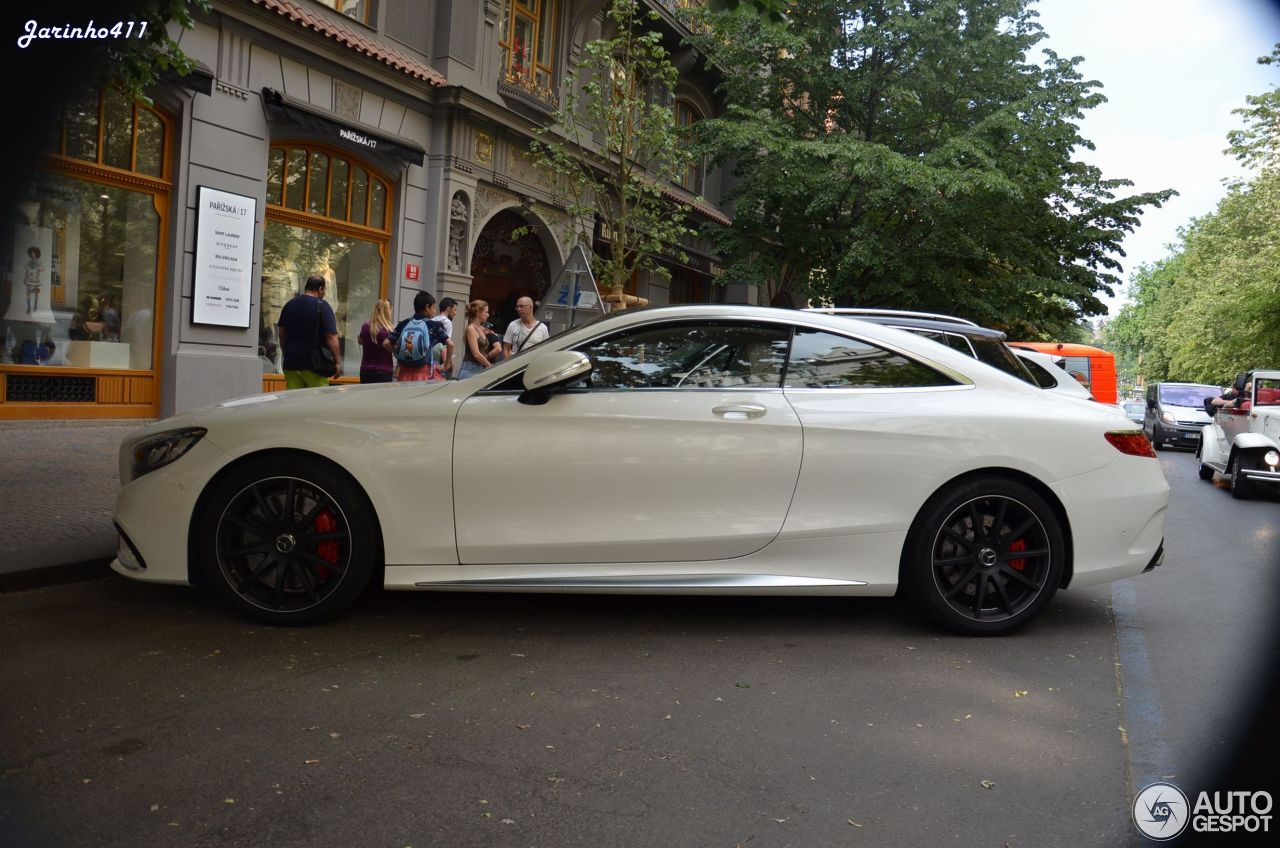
(147, 716)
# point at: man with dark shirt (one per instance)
(303, 321)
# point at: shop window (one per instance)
(326, 214)
(81, 261)
(686, 116)
(527, 38)
(320, 182)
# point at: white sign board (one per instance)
(574, 298)
(224, 257)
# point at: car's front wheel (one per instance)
(287, 540)
(1242, 488)
(984, 557)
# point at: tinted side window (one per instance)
(826, 361)
(689, 355)
(1043, 377)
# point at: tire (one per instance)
(984, 557)
(1242, 488)
(1206, 473)
(294, 566)
(1157, 438)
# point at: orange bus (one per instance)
(1095, 365)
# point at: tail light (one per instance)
(1132, 443)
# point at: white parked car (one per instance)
(1243, 442)
(1049, 374)
(693, 449)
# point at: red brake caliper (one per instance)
(327, 550)
(1018, 564)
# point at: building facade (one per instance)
(379, 143)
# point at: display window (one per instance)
(81, 261)
(327, 214)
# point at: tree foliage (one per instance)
(616, 144)
(907, 153)
(1208, 311)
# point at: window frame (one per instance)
(541, 16)
(695, 172)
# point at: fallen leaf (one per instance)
(508, 821)
(743, 685)
(987, 784)
(310, 762)
(1022, 693)
(416, 715)
(486, 815)
(854, 823)
(780, 821)
(229, 801)
(522, 727)
(155, 808)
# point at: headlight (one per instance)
(160, 450)
(1167, 417)
(1271, 458)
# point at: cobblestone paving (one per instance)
(58, 492)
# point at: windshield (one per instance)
(1187, 395)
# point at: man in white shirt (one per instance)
(448, 310)
(525, 331)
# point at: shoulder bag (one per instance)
(322, 361)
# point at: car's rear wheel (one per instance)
(1206, 473)
(1242, 488)
(287, 541)
(985, 557)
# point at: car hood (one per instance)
(1193, 414)
(298, 405)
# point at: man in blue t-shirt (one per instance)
(304, 321)
(424, 307)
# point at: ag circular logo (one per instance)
(1161, 811)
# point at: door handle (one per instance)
(739, 411)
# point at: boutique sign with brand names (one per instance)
(224, 258)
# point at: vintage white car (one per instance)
(1243, 442)
(677, 450)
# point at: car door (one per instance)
(680, 446)
(881, 428)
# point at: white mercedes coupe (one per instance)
(679, 450)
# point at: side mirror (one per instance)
(551, 370)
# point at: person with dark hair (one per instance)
(445, 313)
(304, 320)
(412, 340)
(110, 318)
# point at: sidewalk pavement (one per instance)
(58, 497)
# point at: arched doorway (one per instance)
(505, 268)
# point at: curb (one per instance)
(55, 575)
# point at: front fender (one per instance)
(1252, 442)
(1211, 451)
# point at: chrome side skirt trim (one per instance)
(659, 581)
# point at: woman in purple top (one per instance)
(376, 365)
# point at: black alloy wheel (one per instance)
(985, 558)
(286, 542)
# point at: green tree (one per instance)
(615, 144)
(906, 153)
(1208, 311)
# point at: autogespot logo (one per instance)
(1161, 811)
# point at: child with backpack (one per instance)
(412, 340)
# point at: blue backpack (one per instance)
(413, 348)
